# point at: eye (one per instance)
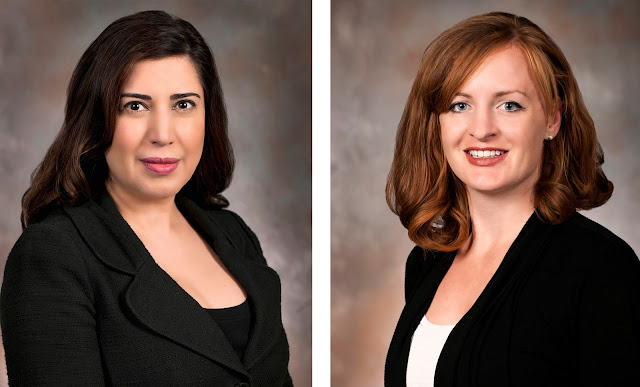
(134, 106)
(184, 105)
(511, 106)
(458, 107)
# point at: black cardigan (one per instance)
(83, 303)
(563, 309)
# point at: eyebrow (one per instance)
(496, 95)
(148, 97)
(501, 93)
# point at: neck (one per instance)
(158, 215)
(497, 220)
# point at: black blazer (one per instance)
(563, 309)
(83, 303)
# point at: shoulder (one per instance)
(46, 259)
(231, 220)
(603, 273)
(421, 260)
(54, 236)
(235, 228)
(47, 249)
(416, 260)
(419, 264)
(413, 270)
(226, 217)
(580, 227)
(592, 243)
(238, 231)
(583, 254)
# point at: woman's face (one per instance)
(159, 133)
(494, 131)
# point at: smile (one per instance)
(485, 154)
(485, 157)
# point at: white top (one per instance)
(426, 345)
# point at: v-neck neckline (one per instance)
(450, 257)
(520, 255)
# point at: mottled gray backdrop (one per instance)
(376, 50)
(263, 53)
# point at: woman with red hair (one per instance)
(508, 284)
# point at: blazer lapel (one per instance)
(161, 304)
(153, 297)
(107, 234)
(261, 283)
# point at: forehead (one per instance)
(505, 69)
(169, 75)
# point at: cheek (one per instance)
(200, 136)
(123, 141)
(529, 139)
(196, 134)
(450, 136)
(533, 135)
(190, 135)
(124, 144)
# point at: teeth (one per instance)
(478, 154)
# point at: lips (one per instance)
(159, 165)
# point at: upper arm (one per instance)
(47, 313)
(609, 321)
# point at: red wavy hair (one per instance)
(422, 190)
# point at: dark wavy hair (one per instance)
(422, 190)
(74, 167)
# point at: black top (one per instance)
(83, 303)
(235, 322)
(563, 309)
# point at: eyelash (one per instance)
(517, 106)
(453, 106)
(193, 104)
(128, 104)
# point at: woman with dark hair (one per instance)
(508, 285)
(129, 270)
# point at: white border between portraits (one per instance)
(321, 193)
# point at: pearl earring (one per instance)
(550, 138)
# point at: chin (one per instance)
(484, 185)
(159, 191)
(486, 188)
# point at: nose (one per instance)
(160, 130)
(483, 127)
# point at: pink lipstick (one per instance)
(485, 157)
(160, 166)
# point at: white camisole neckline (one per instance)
(426, 345)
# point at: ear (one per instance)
(555, 120)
